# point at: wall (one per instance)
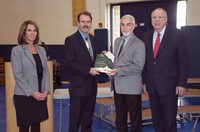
(55, 17)
(193, 12)
(12, 13)
(55, 20)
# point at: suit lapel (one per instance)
(117, 44)
(163, 42)
(93, 46)
(150, 44)
(40, 54)
(126, 46)
(129, 43)
(28, 54)
(83, 45)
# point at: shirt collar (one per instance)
(127, 38)
(161, 32)
(83, 35)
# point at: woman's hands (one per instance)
(40, 96)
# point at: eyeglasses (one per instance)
(158, 17)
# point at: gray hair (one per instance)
(164, 11)
(130, 17)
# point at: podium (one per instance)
(11, 123)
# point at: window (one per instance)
(115, 23)
(181, 14)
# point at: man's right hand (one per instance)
(94, 71)
(144, 88)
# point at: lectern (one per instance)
(11, 124)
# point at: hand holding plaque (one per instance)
(104, 62)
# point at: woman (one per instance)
(29, 65)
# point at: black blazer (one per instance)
(169, 68)
(78, 62)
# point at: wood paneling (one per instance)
(2, 70)
(77, 7)
(11, 124)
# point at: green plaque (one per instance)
(103, 61)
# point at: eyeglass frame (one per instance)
(158, 17)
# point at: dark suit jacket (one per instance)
(78, 62)
(169, 68)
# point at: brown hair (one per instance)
(22, 31)
(87, 13)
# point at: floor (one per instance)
(98, 125)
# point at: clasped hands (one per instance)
(40, 96)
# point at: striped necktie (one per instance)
(157, 45)
(88, 45)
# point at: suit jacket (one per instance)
(169, 68)
(78, 62)
(129, 65)
(25, 72)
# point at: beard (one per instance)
(126, 33)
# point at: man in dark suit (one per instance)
(126, 79)
(79, 56)
(165, 72)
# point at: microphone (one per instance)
(46, 49)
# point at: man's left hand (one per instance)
(180, 90)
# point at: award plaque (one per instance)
(103, 63)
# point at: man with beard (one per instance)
(79, 56)
(126, 79)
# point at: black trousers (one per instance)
(125, 103)
(81, 113)
(164, 112)
(34, 128)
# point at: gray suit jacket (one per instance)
(24, 70)
(129, 65)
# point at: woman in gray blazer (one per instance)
(29, 65)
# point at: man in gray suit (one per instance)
(126, 80)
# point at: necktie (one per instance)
(121, 47)
(157, 45)
(88, 45)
